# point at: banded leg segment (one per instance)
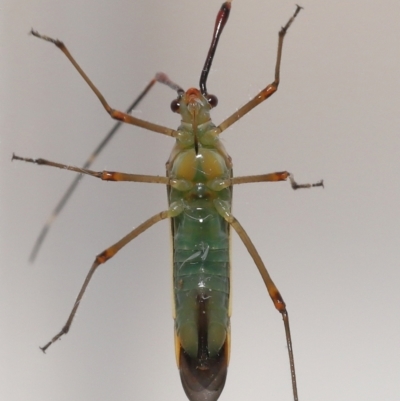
(223, 209)
(103, 175)
(115, 114)
(218, 184)
(102, 258)
(274, 177)
(270, 89)
(160, 78)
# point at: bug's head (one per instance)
(193, 106)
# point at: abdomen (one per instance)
(201, 294)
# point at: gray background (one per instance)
(334, 253)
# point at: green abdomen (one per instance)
(201, 293)
(201, 276)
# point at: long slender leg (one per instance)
(223, 209)
(159, 77)
(270, 89)
(103, 175)
(218, 183)
(273, 177)
(116, 114)
(102, 258)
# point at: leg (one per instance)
(273, 177)
(223, 210)
(218, 183)
(179, 184)
(159, 77)
(102, 258)
(103, 175)
(270, 89)
(116, 114)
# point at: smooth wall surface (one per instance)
(334, 253)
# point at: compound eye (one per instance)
(175, 105)
(212, 100)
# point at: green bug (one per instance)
(199, 181)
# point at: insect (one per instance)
(199, 184)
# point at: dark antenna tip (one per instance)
(220, 22)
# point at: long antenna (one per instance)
(220, 22)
